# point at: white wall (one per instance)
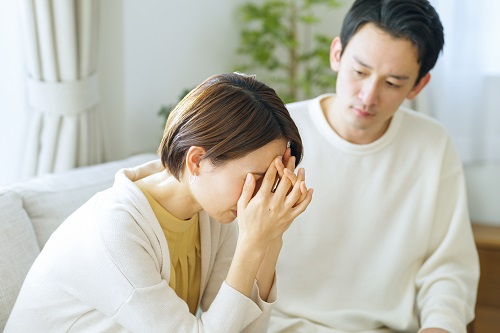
(152, 50)
(170, 46)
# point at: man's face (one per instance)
(375, 74)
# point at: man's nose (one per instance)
(369, 93)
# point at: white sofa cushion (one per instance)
(51, 198)
(18, 250)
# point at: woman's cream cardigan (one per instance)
(106, 269)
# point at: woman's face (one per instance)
(217, 189)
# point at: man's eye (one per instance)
(392, 84)
(359, 73)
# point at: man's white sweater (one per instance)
(386, 243)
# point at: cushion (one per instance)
(51, 198)
(18, 250)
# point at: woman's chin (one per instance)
(225, 218)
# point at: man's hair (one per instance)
(415, 20)
(229, 115)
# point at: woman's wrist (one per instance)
(248, 257)
(266, 273)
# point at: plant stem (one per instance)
(293, 52)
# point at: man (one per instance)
(386, 245)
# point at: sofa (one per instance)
(31, 210)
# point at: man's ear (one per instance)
(335, 51)
(419, 86)
(193, 159)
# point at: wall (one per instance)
(170, 46)
(152, 50)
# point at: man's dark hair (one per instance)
(415, 20)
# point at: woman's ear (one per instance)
(193, 159)
(335, 52)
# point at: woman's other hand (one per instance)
(271, 211)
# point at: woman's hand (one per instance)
(144, 170)
(262, 220)
(268, 214)
(289, 162)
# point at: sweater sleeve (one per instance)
(225, 252)
(447, 281)
(158, 309)
(262, 322)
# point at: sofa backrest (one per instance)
(30, 211)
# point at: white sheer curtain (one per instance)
(464, 92)
(63, 90)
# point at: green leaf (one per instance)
(267, 43)
(309, 19)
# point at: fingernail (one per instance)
(302, 171)
(249, 178)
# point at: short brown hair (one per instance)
(229, 115)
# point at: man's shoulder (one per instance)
(421, 121)
(306, 106)
(299, 106)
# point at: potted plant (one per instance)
(276, 39)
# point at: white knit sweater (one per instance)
(386, 243)
(106, 269)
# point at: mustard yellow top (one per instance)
(183, 239)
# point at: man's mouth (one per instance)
(362, 113)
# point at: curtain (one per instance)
(63, 85)
(464, 91)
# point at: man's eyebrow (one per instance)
(397, 77)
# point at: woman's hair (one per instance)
(415, 20)
(229, 115)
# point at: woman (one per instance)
(157, 252)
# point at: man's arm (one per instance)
(447, 280)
